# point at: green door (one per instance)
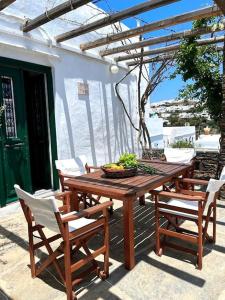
(14, 149)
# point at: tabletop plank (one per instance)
(120, 188)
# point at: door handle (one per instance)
(13, 145)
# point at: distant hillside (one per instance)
(182, 112)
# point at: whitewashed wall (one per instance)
(92, 124)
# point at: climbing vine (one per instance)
(202, 66)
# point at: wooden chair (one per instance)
(182, 156)
(72, 231)
(198, 207)
(70, 168)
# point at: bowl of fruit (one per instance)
(125, 167)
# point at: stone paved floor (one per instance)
(173, 276)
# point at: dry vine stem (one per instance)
(158, 71)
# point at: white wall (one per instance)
(92, 124)
(155, 128)
(173, 134)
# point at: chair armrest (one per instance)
(193, 181)
(89, 168)
(67, 175)
(182, 196)
(62, 195)
(94, 168)
(192, 193)
(87, 212)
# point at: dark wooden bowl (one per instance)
(113, 173)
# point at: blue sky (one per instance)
(169, 88)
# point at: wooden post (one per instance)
(53, 13)
(222, 126)
(187, 17)
(124, 14)
(5, 3)
(221, 5)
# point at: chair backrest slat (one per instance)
(74, 167)
(179, 155)
(43, 209)
(213, 187)
(222, 175)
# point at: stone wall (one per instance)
(206, 164)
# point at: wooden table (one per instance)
(127, 190)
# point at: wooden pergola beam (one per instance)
(159, 40)
(166, 49)
(171, 55)
(5, 3)
(129, 12)
(156, 58)
(221, 5)
(193, 15)
(53, 13)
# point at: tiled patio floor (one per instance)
(173, 276)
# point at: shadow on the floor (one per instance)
(195, 280)
(120, 272)
(144, 230)
(220, 223)
(4, 296)
(14, 238)
(186, 257)
(217, 248)
(144, 243)
(220, 205)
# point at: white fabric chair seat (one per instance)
(79, 223)
(76, 224)
(193, 205)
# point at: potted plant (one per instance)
(180, 152)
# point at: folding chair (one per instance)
(72, 231)
(198, 207)
(71, 168)
(182, 156)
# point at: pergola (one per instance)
(165, 52)
(123, 36)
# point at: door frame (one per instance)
(50, 106)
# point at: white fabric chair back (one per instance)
(176, 155)
(43, 209)
(213, 187)
(72, 167)
(222, 175)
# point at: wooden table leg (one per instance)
(128, 233)
(74, 201)
(142, 200)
